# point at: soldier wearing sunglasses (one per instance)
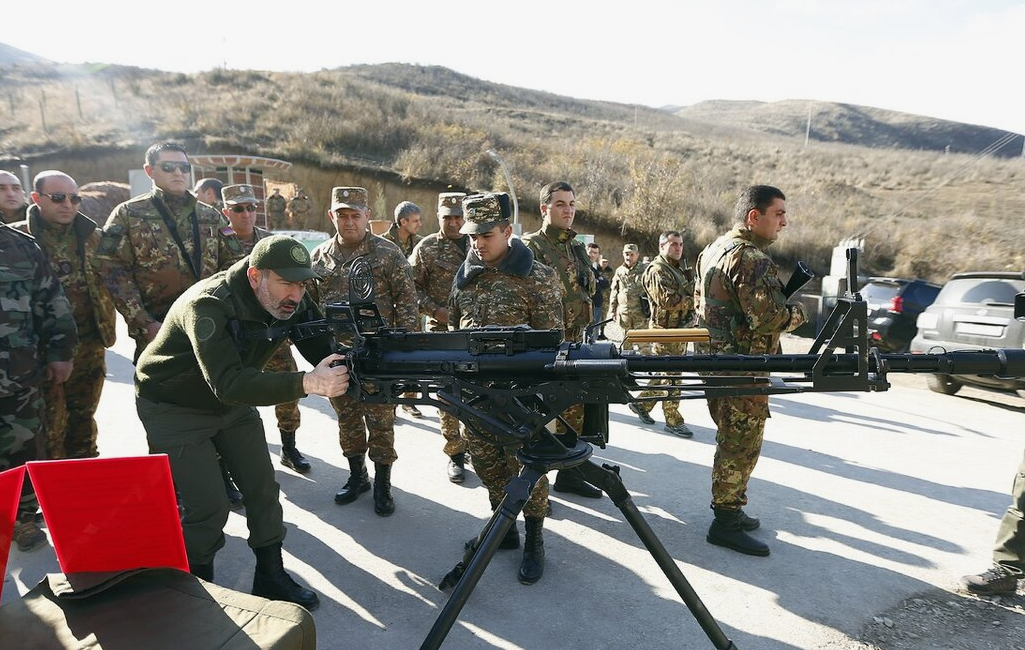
(158, 244)
(69, 240)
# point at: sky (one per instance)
(953, 59)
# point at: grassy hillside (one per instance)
(636, 170)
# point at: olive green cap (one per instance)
(450, 204)
(232, 194)
(283, 255)
(349, 197)
(484, 211)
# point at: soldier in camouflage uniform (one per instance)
(555, 245)
(625, 294)
(12, 198)
(158, 244)
(37, 342)
(299, 210)
(435, 261)
(669, 283)
(403, 233)
(69, 240)
(240, 207)
(276, 206)
(500, 283)
(395, 295)
(739, 298)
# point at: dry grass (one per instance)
(637, 171)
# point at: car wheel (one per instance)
(943, 384)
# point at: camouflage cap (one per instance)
(630, 248)
(348, 197)
(450, 204)
(283, 255)
(232, 194)
(484, 211)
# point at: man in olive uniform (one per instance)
(240, 207)
(69, 240)
(404, 228)
(12, 198)
(395, 296)
(157, 245)
(299, 210)
(1009, 551)
(276, 206)
(435, 261)
(739, 298)
(669, 283)
(625, 294)
(198, 383)
(555, 245)
(37, 343)
(500, 283)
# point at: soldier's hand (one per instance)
(441, 315)
(57, 372)
(151, 331)
(327, 380)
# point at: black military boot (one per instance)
(533, 565)
(273, 582)
(572, 480)
(748, 523)
(383, 503)
(234, 496)
(358, 483)
(726, 530)
(203, 571)
(290, 456)
(457, 467)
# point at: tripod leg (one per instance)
(516, 494)
(607, 478)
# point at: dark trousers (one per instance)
(1010, 546)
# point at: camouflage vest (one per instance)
(560, 250)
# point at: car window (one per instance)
(980, 291)
(877, 293)
(919, 293)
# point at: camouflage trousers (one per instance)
(496, 466)
(1010, 544)
(287, 413)
(630, 321)
(71, 406)
(670, 407)
(364, 428)
(21, 437)
(277, 220)
(738, 444)
(454, 441)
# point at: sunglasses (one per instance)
(169, 166)
(59, 197)
(239, 209)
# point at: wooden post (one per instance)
(42, 109)
(78, 102)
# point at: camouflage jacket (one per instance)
(393, 236)
(276, 204)
(435, 261)
(627, 286)
(519, 291)
(209, 352)
(394, 291)
(35, 317)
(72, 256)
(560, 250)
(670, 287)
(142, 265)
(258, 234)
(739, 296)
(298, 206)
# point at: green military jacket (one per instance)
(276, 204)
(435, 261)
(142, 265)
(72, 256)
(394, 291)
(670, 287)
(213, 343)
(626, 290)
(393, 236)
(519, 291)
(560, 250)
(739, 296)
(36, 324)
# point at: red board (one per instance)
(10, 494)
(110, 514)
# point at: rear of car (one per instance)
(893, 308)
(973, 311)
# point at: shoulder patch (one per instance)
(205, 328)
(228, 231)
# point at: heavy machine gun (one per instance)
(507, 384)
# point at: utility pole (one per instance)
(807, 130)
